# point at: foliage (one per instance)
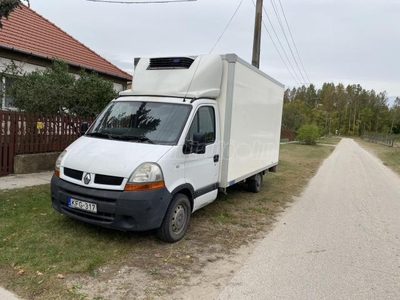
(390, 156)
(295, 114)
(55, 91)
(395, 117)
(337, 109)
(92, 94)
(7, 7)
(308, 134)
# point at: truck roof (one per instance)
(185, 77)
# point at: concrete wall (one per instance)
(34, 163)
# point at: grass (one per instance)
(329, 140)
(35, 239)
(390, 156)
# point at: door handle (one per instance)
(216, 158)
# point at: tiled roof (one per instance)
(27, 31)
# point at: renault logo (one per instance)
(87, 178)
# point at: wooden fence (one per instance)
(382, 139)
(288, 134)
(23, 133)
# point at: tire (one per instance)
(254, 184)
(176, 220)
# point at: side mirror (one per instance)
(199, 143)
(197, 146)
(84, 128)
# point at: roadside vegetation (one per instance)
(390, 156)
(41, 250)
(340, 110)
(329, 140)
(308, 134)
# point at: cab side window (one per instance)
(204, 121)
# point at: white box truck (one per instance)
(189, 127)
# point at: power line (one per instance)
(290, 32)
(229, 23)
(277, 50)
(287, 40)
(280, 54)
(280, 43)
(141, 2)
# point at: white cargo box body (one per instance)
(250, 105)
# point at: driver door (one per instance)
(202, 169)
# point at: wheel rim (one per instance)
(178, 219)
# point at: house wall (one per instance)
(26, 67)
(119, 87)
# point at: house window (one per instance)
(6, 99)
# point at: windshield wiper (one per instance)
(100, 135)
(140, 138)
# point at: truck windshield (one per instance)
(143, 122)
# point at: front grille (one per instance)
(73, 173)
(99, 217)
(99, 178)
(170, 63)
(108, 180)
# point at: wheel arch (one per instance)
(186, 189)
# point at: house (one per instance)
(32, 42)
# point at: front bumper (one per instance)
(123, 210)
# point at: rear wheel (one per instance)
(176, 220)
(254, 183)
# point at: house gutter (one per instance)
(69, 63)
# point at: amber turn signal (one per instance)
(144, 186)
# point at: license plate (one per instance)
(82, 205)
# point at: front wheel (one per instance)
(176, 220)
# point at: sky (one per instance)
(339, 41)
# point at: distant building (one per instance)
(32, 42)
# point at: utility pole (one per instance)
(257, 34)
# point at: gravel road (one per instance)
(340, 240)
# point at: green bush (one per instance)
(56, 91)
(308, 134)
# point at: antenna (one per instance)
(191, 81)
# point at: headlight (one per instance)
(58, 163)
(147, 176)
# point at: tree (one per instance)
(286, 96)
(311, 95)
(292, 94)
(301, 94)
(352, 110)
(91, 94)
(295, 114)
(395, 116)
(56, 91)
(7, 7)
